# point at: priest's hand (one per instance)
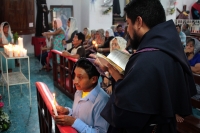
(115, 74)
(64, 120)
(62, 110)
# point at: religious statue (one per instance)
(183, 14)
(196, 10)
(42, 24)
(116, 8)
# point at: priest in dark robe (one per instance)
(157, 83)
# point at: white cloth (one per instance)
(120, 41)
(88, 32)
(72, 27)
(110, 31)
(59, 23)
(196, 46)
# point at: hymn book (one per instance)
(116, 58)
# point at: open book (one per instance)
(116, 58)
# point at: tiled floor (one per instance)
(23, 119)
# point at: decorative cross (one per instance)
(183, 14)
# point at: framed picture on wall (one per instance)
(63, 12)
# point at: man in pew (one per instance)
(89, 100)
(77, 50)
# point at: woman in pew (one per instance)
(70, 33)
(87, 33)
(116, 43)
(89, 100)
(89, 47)
(99, 37)
(6, 38)
(105, 47)
(192, 52)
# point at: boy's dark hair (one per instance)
(89, 68)
(81, 36)
(151, 12)
(119, 26)
(179, 26)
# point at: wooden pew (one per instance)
(191, 124)
(63, 80)
(45, 100)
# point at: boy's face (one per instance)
(75, 41)
(81, 80)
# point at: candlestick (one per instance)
(54, 105)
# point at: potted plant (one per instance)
(4, 118)
(15, 37)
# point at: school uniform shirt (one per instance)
(80, 50)
(87, 111)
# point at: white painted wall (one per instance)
(84, 14)
(166, 5)
(97, 19)
(77, 12)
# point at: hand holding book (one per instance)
(117, 58)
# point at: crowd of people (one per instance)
(148, 97)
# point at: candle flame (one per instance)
(54, 99)
(94, 42)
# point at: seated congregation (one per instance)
(152, 95)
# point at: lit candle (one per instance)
(10, 52)
(20, 42)
(5, 48)
(54, 104)
(16, 52)
(25, 52)
(21, 52)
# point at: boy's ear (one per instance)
(94, 79)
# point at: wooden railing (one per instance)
(63, 80)
(191, 124)
(45, 101)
